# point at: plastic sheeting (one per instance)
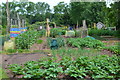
(9, 45)
(70, 34)
(14, 32)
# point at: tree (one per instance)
(91, 12)
(61, 14)
(8, 16)
(116, 8)
(0, 14)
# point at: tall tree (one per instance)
(61, 14)
(91, 12)
(8, 16)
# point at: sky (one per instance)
(50, 2)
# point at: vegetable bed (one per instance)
(83, 67)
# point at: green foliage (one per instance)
(42, 33)
(61, 41)
(96, 32)
(3, 31)
(98, 67)
(20, 50)
(2, 74)
(33, 27)
(115, 49)
(49, 41)
(11, 50)
(56, 31)
(14, 26)
(39, 41)
(63, 13)
(43, 69)
(75, 53)
(25, 40)
(91, 12)
(101, 66)
(84, 42)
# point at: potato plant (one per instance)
(84, 42)
(101, 66)
(114, 48)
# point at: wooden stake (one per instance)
(47, 28)
(55, 25)
(77, 24)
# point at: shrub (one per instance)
(95, 32)
(33, 27)
(42, 33)
(4, 31)
(61, 41)
(25, 40)
(84, 42)
(56, 31)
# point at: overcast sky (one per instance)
(50, 2)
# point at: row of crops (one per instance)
(25, 41)
(83, 67)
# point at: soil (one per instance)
(41, 46)
(19, 59)
(111, 42)
(106, 52)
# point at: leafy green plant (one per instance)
(39, 41)
(84, 42)
(114, 48)
(25, 40)
(11, 50)
(3, 74)
(33, 69)
(42, 33)
(20, 50)
(101, 66)
(56, 31)
(61, 41)
(96, 32)
(4, 31)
